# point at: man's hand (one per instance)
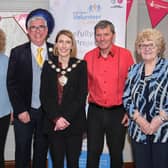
(125, 120)
(24, 117)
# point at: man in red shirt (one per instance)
(108, 65)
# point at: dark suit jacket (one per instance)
(19, 77)
(73, 103)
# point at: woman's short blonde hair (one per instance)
(71, 36)
(154, 35)
(2, 41)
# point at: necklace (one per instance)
(63, 79)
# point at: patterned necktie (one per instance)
(39, 57)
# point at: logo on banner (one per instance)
(92, 12)
(117, 3)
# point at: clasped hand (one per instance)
(149, 128)
(61, 124)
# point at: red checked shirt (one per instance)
(106, 76)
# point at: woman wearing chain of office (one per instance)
(63, 96)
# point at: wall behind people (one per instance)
(15, 34)
(138, 19)
(20, 5)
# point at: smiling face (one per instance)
(148, 50)
(150, 44)
(104, 38)
(64, 45)
(37, 31)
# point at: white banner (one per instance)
(81, 16)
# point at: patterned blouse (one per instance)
(134, 98)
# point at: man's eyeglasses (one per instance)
(149, 46)
(35, 28)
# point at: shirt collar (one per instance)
(34, 49)
(111, 52)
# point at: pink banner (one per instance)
(129, 5)
(20, 20)
(157, 10)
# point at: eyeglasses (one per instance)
(35, 28)
(149, 46)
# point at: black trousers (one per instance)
(4, 126)
(63, 147)
(24, 134)
(151, 155)
(105, 122)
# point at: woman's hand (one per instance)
(61, 124)
(155, 124)
(143, 124)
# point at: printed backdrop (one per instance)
(81, 16)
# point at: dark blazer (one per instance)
(73, 103)
(19, 77)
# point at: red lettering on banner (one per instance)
(157, 10)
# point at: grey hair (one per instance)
(103, 24)
(36, 18)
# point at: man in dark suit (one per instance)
(23, 83)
